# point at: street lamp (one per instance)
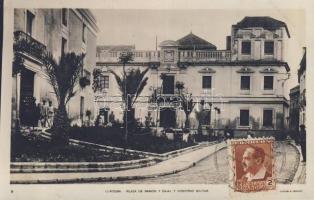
(203, 103)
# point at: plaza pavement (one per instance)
(170, 166)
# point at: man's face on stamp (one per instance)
(252, 159)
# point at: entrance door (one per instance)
(104, 113)
(168, 85)
(168, 118)
(27, 93)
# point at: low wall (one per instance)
(35, 167)
(243, 133)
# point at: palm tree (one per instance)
(131, 85)
(63, 77)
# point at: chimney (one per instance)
(228, 43)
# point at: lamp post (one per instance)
(203, 103)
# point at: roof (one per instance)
(193, 42)
(169, 43)
(268, 23)
(115, 48)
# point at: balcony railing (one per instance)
(26, 44)
(159, 92)
(204, 56)
(138, 56)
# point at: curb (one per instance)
(117, 178)
(56, 167)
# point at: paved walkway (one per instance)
(300, 176)
(171, 166)
(215, 169)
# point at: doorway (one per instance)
(168, 118)
(27, 95)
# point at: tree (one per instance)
(63, 77)
(131, 85)
(187, 103)
(96, 82)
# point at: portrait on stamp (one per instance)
(253, 165)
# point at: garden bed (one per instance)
(114, 136)
(30, 149)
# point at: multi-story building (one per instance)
(294, 108)
(56, 31)
(301, 79)
(241, 86)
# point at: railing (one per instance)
(203, 56)
(167, 100)
(154, 56)
(159, 91)
(25, 43)
(139, 56)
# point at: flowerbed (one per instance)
(29, 149)
(143, 140)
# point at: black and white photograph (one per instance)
(111, 96)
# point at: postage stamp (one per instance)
(252, 164)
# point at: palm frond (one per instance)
(64, 76)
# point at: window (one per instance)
(268, 118)
(103, 82)
(269, 47)
(246, 47)
(244, 117)
(207, 82)
(268, 82)
(64, 16)
(29, 23)
(245, 82)
(63, 46)
(84, 33)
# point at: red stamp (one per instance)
(252, 164)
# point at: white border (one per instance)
(99, 191)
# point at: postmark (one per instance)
(252, 164)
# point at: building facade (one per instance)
(301, 79)
(242, 86)
(294, 108)
(38, 31)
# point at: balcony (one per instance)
(167, 100)
(85, 79)
(24, 43)
(204, 56)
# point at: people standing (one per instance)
(111, 118)
(228, 133)
(37, 119)
(33, 115)
(41, 114)
(302, 137)
(44, 114)
(50, 114)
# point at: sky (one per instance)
(141, 27)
